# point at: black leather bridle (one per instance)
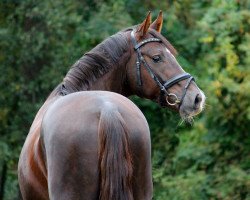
(165, 85)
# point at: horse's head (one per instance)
(154, 72)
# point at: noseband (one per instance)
(165, 85)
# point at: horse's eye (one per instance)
(156, 59)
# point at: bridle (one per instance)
(165, 85)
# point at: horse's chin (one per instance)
(187, 115)
(184, 113)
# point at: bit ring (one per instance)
(176, 99)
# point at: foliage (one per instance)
(213, 157)
(39, 40)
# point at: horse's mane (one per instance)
(98, 61)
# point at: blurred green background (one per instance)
(40, 40)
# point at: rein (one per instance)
(165, 85)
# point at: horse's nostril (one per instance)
(197, 101)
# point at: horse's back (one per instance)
(71, 143)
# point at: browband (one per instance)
(145, 42)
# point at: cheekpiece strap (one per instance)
(141, 59)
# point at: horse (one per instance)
(88, 140)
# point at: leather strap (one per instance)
(169, 83)
(146, 41)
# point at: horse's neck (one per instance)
(114, 81)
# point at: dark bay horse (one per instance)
(88, 141)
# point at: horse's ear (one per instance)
(157, 24)
(143, 27)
